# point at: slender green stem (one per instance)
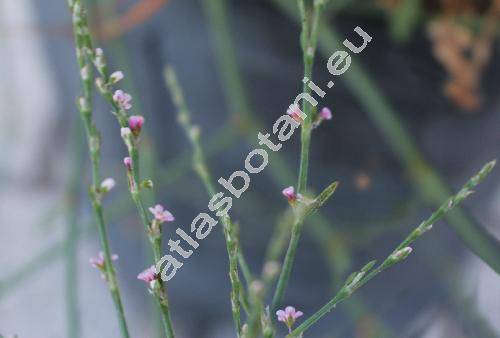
(135, 190)
(82, 41)
(104, 85)
(425, 178)
(72, 229)
(308, 41)
(358, 279)
(168, 175)
(287, 265)
(229, 228)
(109, 268)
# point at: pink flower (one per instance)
(290, 194)
(288, 316)
(295, 114)
(127, 161)
(325, 114)
(99, 262)
(135, 123)
(148, 275)
(161, 215)
(122, 99)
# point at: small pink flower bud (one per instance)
(295, 114)
(99, 262)
(161, 215)
(127, 161)
(290, 194)
(325, 114)
(148, 275)
(116, 77)
(135, 123)
(122, 99)
(288, 316)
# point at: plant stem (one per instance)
(136, 194)
(237, 101)
(93, 139)
(170, 174)
(425, 178)
(230, 229)
(308, 42)
(135, 188)
(356, 283)
(72, 197)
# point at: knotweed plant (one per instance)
(257, 300)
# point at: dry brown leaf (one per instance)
(134, 16)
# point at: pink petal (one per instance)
(326, 113)
(281, 315)
(289, 310)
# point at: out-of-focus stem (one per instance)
(236, 99)
(72, 197)
(229, 228)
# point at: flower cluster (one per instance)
(122, 99)
(99, 262)
(288, 316)
(148, 275)
(160, 216)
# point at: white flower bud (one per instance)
(101, 86)
(127, 137)
(84, 73)
(107, 185)
(116, 77)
